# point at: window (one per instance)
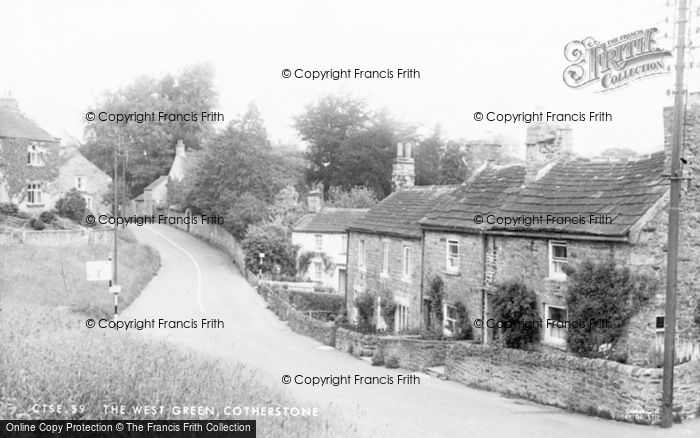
(88, 201)
(401, 318)
(319, 242)
(450, 322)
(557, 259)
(660, 327)
(343, 244)
(407, 261)
(318, 271)
(361, 254)
(385, 258)
(79, 182)
(555, 326)
(35, 156)
(34, 194)
(452, 256)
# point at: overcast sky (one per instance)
(506, 56)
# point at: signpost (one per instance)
(101, 270)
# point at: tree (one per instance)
(72, 206)
(273, 240)
(147, 148)
(356, 197)
(427, 156)
(286, 207)
(246, 210)
(326, 125)
(452, 168)
(515, 307)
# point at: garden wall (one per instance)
(413, 353)
(593, 386)
(57, 238)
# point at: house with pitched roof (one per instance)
(322, 240)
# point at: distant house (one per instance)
(322, 238)
(35, 172)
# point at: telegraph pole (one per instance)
(674, 220)
(115, 180)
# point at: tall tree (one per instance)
(452, 168)
(326, 125)
(147, 148)
(427, 156)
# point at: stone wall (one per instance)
(357, 344)
(413, 353)
(592, 386)
(84, 236)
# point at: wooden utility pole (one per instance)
(674, 220)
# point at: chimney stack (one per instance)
(7, 102)
(546, 144)
(180, 149)
(314, 201)
(404, 171)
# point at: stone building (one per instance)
(77, 172)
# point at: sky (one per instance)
(506, 56)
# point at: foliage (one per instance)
(307, 257)
(274, 241)
(603, 293)
(9, 209)
(463, 325)
(377, 359)
(388, 310)
(286, 206)
(147, 149)
(427, 156)
(391, 362)
(246, 210)
(309, 301)
(452, 168)
(697, 314)
(356, 197)
(72, 206)
(48, 216)
(14, 171)
(436, 293)
(515, 306)
(365, 305)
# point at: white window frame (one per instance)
(318, 271)
(34, 193)
(554, 272)
(88, 202)
(361, 253)
(659, 333)
(407, 268)
(451, 262)
(449, 324)
(344, 244)
(35, 156)
(318, 242)
(79, 182)
(401, 315)
(548, 338)
(385, 258)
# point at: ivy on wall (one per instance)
(307, 257)
(15, 173)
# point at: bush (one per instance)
(436, 292)
(389, 312)
(377, 359)
(516, 306)
(38, 224)
(72, 206)
(464, 325)
(365, 310)
(47, 216)
(606, 294)
(391, 362)
(9, 209)
(325, 302)
(274, 241)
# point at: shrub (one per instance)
(464, 325)
(38, 224)
(274, 241)
(306, 301)
(608, 295)
(365, 310)
(377, 359)
(391, 362)
(516, 306)
(307, 257)
(9, 209)
(389, 312)
(72, 206)
(436, 292)
(48, 216)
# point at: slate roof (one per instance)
(328, 220)
(482, 193)
(155, 183)
(399, 213)
(623, 190)
(14, 124)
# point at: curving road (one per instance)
(198, 281)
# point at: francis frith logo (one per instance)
(614, 63)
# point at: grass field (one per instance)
(47, 356)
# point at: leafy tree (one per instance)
(427, 156)
(603, 297)
(464, 325)
(452, 168)
(326, 125)
(389, 306)
(515, 306)
(286, 206)
(147, 149)
(274, 241)
(72, 206)
(356, 197)
(246, 210)
(365, 305)
(435, 295)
